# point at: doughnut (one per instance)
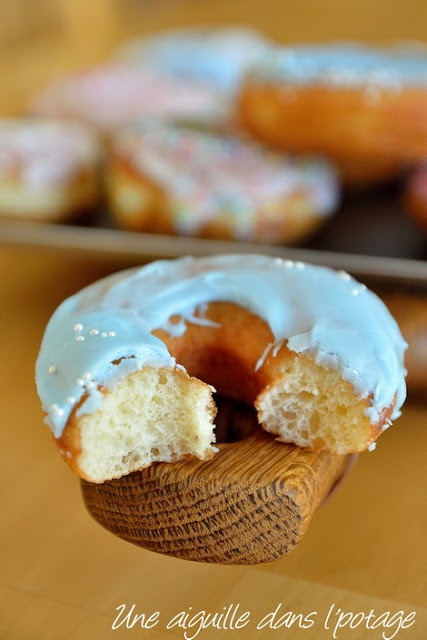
(113, 95)
(48, 169)
(218, 57)
(416, 195)
(353, 103)
(127, 366)
(171, 179)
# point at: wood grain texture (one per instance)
(251, 503)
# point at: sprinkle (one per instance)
(289, 263)
(52, 370)
(372, 446)
(78, 327)
(86, 376)
(61, 451)
(80, 339)
(264, 356)
(277, 348)
(57, 410)
(355, 292)
(104, 334)
(80, 382)
(344, 275)
(68, 454)
(112, 334)
(94, 332)
(278, 260)
(300, 265)
(71, 399)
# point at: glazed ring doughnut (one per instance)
(352, 103)
(170, 179)
(113, 95)
(416, 195)
(126, 365)
(48, 170)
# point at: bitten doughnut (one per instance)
(416, 195)
(126, 366)
(351, 102)
(216, 56)
(170, 179)
(113, 95)
(48, 170)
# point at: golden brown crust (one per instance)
(139, 204)
(341, 122)
(62, 201)
(364, 172)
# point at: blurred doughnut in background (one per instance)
(217, 56)
(49, 170)
(163, 178)
(112, 95)
(364, 107)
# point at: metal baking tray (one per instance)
(371, 236)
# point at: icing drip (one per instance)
(210, 175)
(312, 308)
(345, 65)
(41, 153)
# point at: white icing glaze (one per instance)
(345, 65)
(41, 153)
(312, 308)
(206, 176)
(110, 96)
(217, 56)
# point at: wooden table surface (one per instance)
(62, 576)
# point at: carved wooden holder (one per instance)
(251, 503)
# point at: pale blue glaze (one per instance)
(215, 56)
(345, 64)
(324, 313)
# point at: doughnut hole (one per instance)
(296, 399)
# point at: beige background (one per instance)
(62, 576)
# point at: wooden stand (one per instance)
(251, 503)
